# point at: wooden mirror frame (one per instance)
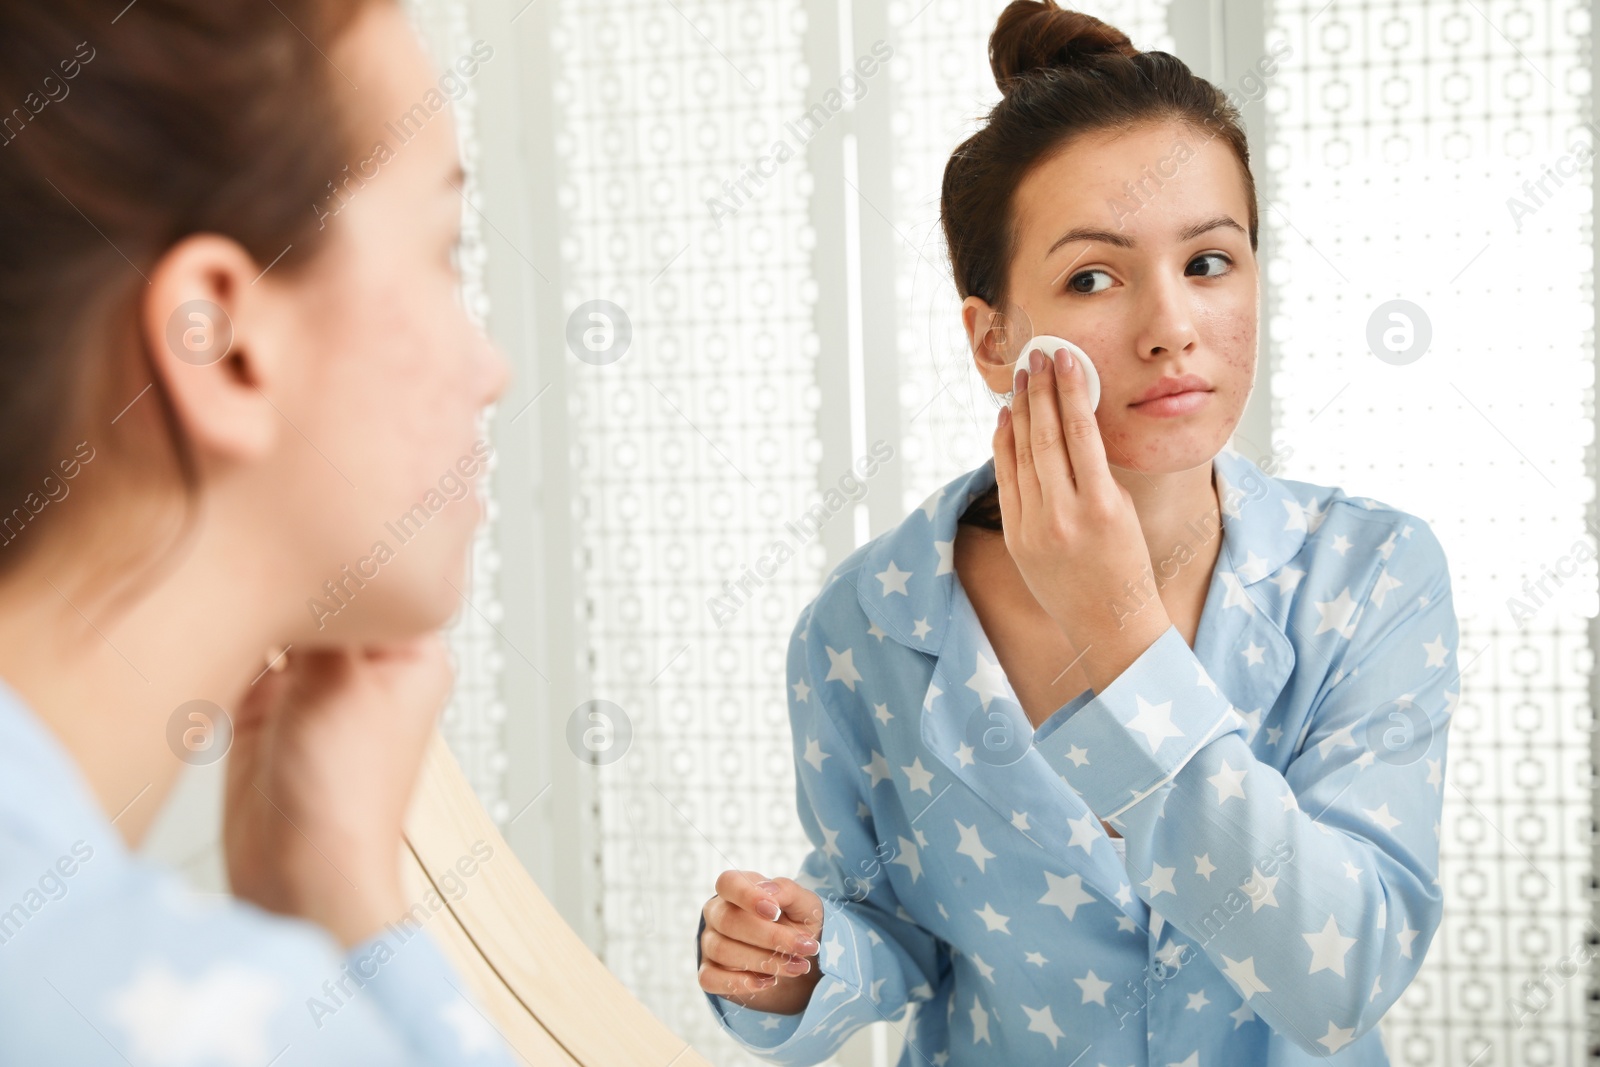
(549, 996)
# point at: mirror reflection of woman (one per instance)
(227, 393)
(1071, 803)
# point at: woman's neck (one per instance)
(107, 686)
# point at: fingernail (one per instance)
(764, 981)
(808, 946)
(1020, 381)
(1005, 416)
(1063, 360)
(768, 910)
(769, 885)
(797, 966)
(1035, 361)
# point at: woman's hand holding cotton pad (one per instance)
(1049, 344)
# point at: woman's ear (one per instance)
(207, 326)
(988, 335)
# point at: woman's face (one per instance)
(393, 375)
(1135, 247)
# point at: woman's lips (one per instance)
(1174, 403)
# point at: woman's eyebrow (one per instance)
(1122, 240)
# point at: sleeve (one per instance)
(1313, 891)
(129, 965)
(875, 959)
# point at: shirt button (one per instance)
(1161, 970)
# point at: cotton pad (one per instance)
(1048, 344)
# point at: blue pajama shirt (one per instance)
(1278, 786)
(108, 959)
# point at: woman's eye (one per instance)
(1075, 284)
(1212, 255)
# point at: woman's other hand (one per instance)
(1069, 525)
(758, 936)
(324, 760)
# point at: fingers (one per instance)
(722, 982)
(736, 954)
(1049, 456)
(1022, 442)
(781, 938)
(1085, 450)
(1005, 469)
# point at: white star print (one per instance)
(876, 631)
(921, 629)
(1253, 568)
(993, 919)
(830, 839)
(1236, 596)
(980, 1022)
(1260, 889)
(1345, 735)
(1242, 973)
(220, 1017)
(1386, 582)
(947, 561)
(1019, 819)
(1065, 893)
(1341, 544)
(1287, 581)
(1336, 1038)
(1041, 1022)
(972, 845)
(1328, 948)
(987, 680)
(1197, 1001)
(1077, 755)
(909, 859)
(1336, 614)
(1160, 880)
(1094, 988)
(1381, 816)
(964, 754)
(1241, 1015)
(1085, 832)
(1253, 654)
(1405, 937)
(893, 579)
(882, 713)
(842, 668)
(814, 754)
(1154, 721)
(1352, 872)
(1201, 677)
(473, 1032)
(801, 690)
(1436, 652)
(833, 948)
(1037, 958)
(919, 776)
(983, 968)
(1434, 778)
(1229, 782)
(931, 505)
(878, 768)
(1274, 733)
(1203, 866)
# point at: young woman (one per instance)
(1117, 750)
(234, 363)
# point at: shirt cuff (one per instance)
(1121, 745)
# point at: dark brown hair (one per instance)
(1064, 74)
(124, 129)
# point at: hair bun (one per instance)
(1035, 34)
